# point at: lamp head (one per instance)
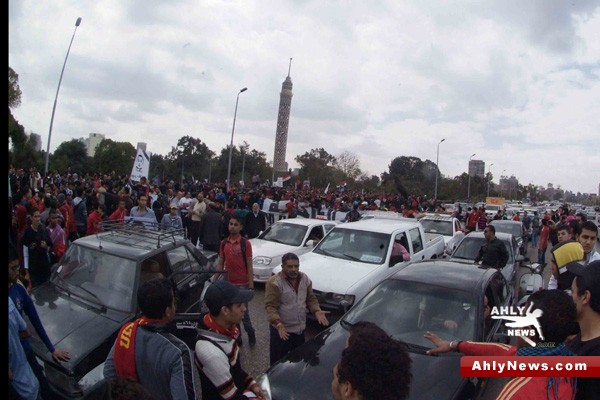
(243, 90)
(78, 22)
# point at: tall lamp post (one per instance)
(231, 144)
(77, 23)
(469, 184)
(437, 159)
(489, 172)
(501, 185)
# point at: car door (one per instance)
(416, 245)
(499, 294)
(188, 274)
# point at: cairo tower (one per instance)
(283, 121)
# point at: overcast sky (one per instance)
(516, 82)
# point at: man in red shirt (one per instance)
(94, 219)
(238, 265)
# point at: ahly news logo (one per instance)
(520, 318)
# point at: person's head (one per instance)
(564, 232)
(489, 232)
(173, 210)
(235, 225)
(588, 236)
(585, 289)
(200, 196)
(557, 318)
(142, 201)
(487, 310)
(524, 214)
(290, 265)
(101, 209)
(561, 255)
(156, 299)
(580, 217)
(35, 217)
(13, 265)
(53, 217)
(226, 302)
(372, 366)
(255, 208)
(122, 204)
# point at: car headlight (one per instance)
(339, 298)
(67, 384)
(262, 260)
(263, 382)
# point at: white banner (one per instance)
(141, 166)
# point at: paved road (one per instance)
(256, 360)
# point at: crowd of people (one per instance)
(49, 213)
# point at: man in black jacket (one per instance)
(256, 221)
(493, 253)
(210, 229)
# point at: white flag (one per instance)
(327, 188)
(141, 166)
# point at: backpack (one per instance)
(242, 247)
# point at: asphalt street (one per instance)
(256, 360)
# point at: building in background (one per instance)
(92, 142)
(477, 168)
(280, 166)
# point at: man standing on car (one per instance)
(287, 296)
(235, 257)
(256, 222)
(493, 252)
(145, 352)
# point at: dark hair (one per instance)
(491, 228)
(237, 218)
(559, 315)
(583, 286)
(121, 388)
(590, 226)
(582, 215)
(377, 366)
(575, 227)
(154, 296)
(564, 227)
(289, 256)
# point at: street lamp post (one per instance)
(77, 23)
(469, 172)
(501, 185)
(243, 166)
(437, 159)
(231, 144)
(489, 173)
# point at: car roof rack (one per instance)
(137, 232)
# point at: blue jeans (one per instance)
(246, 321)
(542, 256)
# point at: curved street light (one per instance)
(469, 173)
(500, 183)
(437, 159)
(231, 144)
(77, 23)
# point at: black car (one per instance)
(419, 298)
(92, 292)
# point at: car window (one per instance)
(424, 308)
(98, 277)
(328, 227)
(417, 241)
(356, 245)
(442, 227)
(290, 234)
(181, 259)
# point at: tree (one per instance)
(14, 91)
(70, 155)
(191, 157)
(349, 164)
(318, 166)
(411, 175)
(114, 156)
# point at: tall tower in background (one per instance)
(283, 121)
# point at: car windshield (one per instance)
(103, 279)
(469, 247)
(290, 234)
(492, 208)
(448, 313)
(355, 245)
(513, 229)
(443, 227)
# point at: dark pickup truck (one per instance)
(92, 292)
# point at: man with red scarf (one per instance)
(146, 352)
(217, 351)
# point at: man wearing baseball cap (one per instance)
(217, 351)
(586, 296)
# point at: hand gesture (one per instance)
(60, 355)
(322, 317)
(282, 332)
(441, 346)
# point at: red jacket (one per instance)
(67, 211)
(520, 388)
(92, 223)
